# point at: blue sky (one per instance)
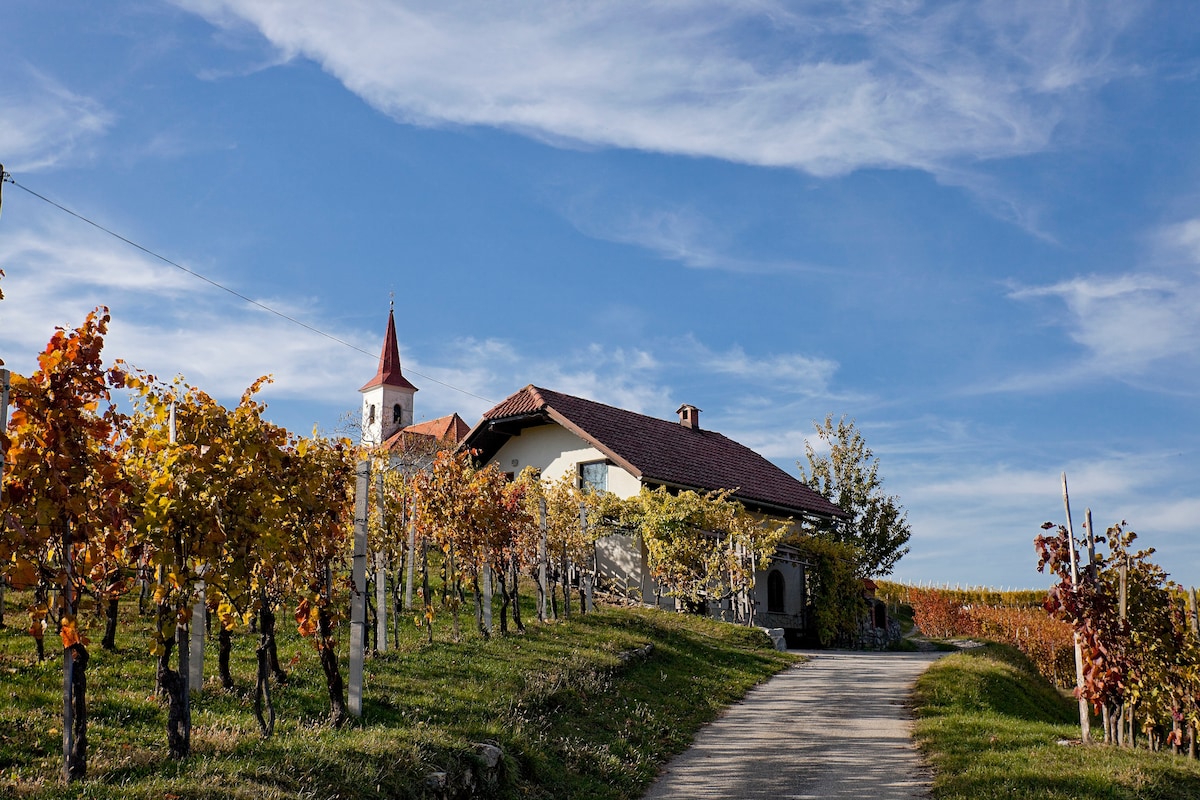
(972, 227)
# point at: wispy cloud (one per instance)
(1127, 323)
(164, 321)
(43, 123)
(794, 372)
(867, 85)
(683, 235)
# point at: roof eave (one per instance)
(765, 505)
(574, 428)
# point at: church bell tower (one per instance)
(387, 404)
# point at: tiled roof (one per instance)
(451, 428)
(389, 373)
(664, 452)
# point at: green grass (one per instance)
(572, 718)
(990, 726)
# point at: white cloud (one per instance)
(163, 320)
(42, 123)
(623, 377)
(681, 235)
(900, 85)
(1183, 238)
(793, 372)
(1127, 323)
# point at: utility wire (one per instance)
(7, 176)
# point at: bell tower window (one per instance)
(371, 414)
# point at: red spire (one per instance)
(389, 373)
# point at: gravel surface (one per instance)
(836, 726)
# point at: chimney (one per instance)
(689, 416)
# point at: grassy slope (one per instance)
(989, 724)
(572, 718)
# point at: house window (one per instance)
(371, 414)
(593, 476)
(397, 413)
(776, 589)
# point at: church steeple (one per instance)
(388, 397)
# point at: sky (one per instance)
(973, 228)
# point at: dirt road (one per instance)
(836, 726)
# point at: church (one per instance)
(387, 409)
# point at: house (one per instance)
(387, 412)
(622, 451)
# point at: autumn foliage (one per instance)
(1047, 642)
(1137, 631)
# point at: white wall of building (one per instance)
(555, 451)
(384, 400)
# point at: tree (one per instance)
(701, 548)
(835, 593)
(318, 481)
(849, 476)
(64, 502)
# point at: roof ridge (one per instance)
(536, 393)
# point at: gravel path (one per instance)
(836, 726)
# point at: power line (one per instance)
(7, 176)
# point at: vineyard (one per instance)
(213, 520)
(1113, 629)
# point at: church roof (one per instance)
(389, 373)
(656, 451)
(451, 427)
(426, 437)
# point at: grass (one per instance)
(573, 718)
(990, 726)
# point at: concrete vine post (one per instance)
(381, 572)
(487, 592)
(196, 656)
(358, 597)
(412, 559)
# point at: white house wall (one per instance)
(555, 451)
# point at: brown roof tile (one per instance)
(660, 451)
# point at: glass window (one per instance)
(593, 476)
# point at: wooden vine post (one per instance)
(587, 580)
(1085, 722)
(541, 560)
(3, 426)
(1194, 622)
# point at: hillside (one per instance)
(579, 709)
(993, 728)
